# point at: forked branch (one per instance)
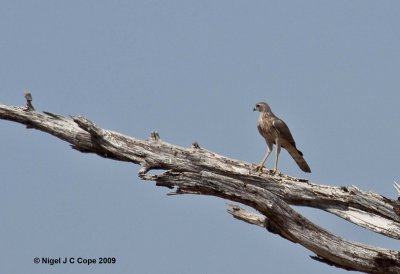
(195, 170)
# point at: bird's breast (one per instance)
(266, 128)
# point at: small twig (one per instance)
(196, 145)
(55, 116)
(397, 187)
(154, 136)
(246, 216)
(28, 97)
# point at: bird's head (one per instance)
(261, 107)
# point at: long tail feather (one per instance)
(297, 155)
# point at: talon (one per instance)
(276, 172)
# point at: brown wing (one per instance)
(283, 131)
(289, 144)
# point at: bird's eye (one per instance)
(257, 106)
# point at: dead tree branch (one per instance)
(198, 171)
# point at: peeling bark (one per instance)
(196, 170)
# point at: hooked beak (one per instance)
(254, 109)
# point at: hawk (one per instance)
(276, 132)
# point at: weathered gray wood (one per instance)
(196, 170)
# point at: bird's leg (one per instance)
(260, 166)
(278, 150)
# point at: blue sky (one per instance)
(192, 70)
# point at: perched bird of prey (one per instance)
(275, 131)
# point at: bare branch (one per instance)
(284, 221)
(198, 171)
